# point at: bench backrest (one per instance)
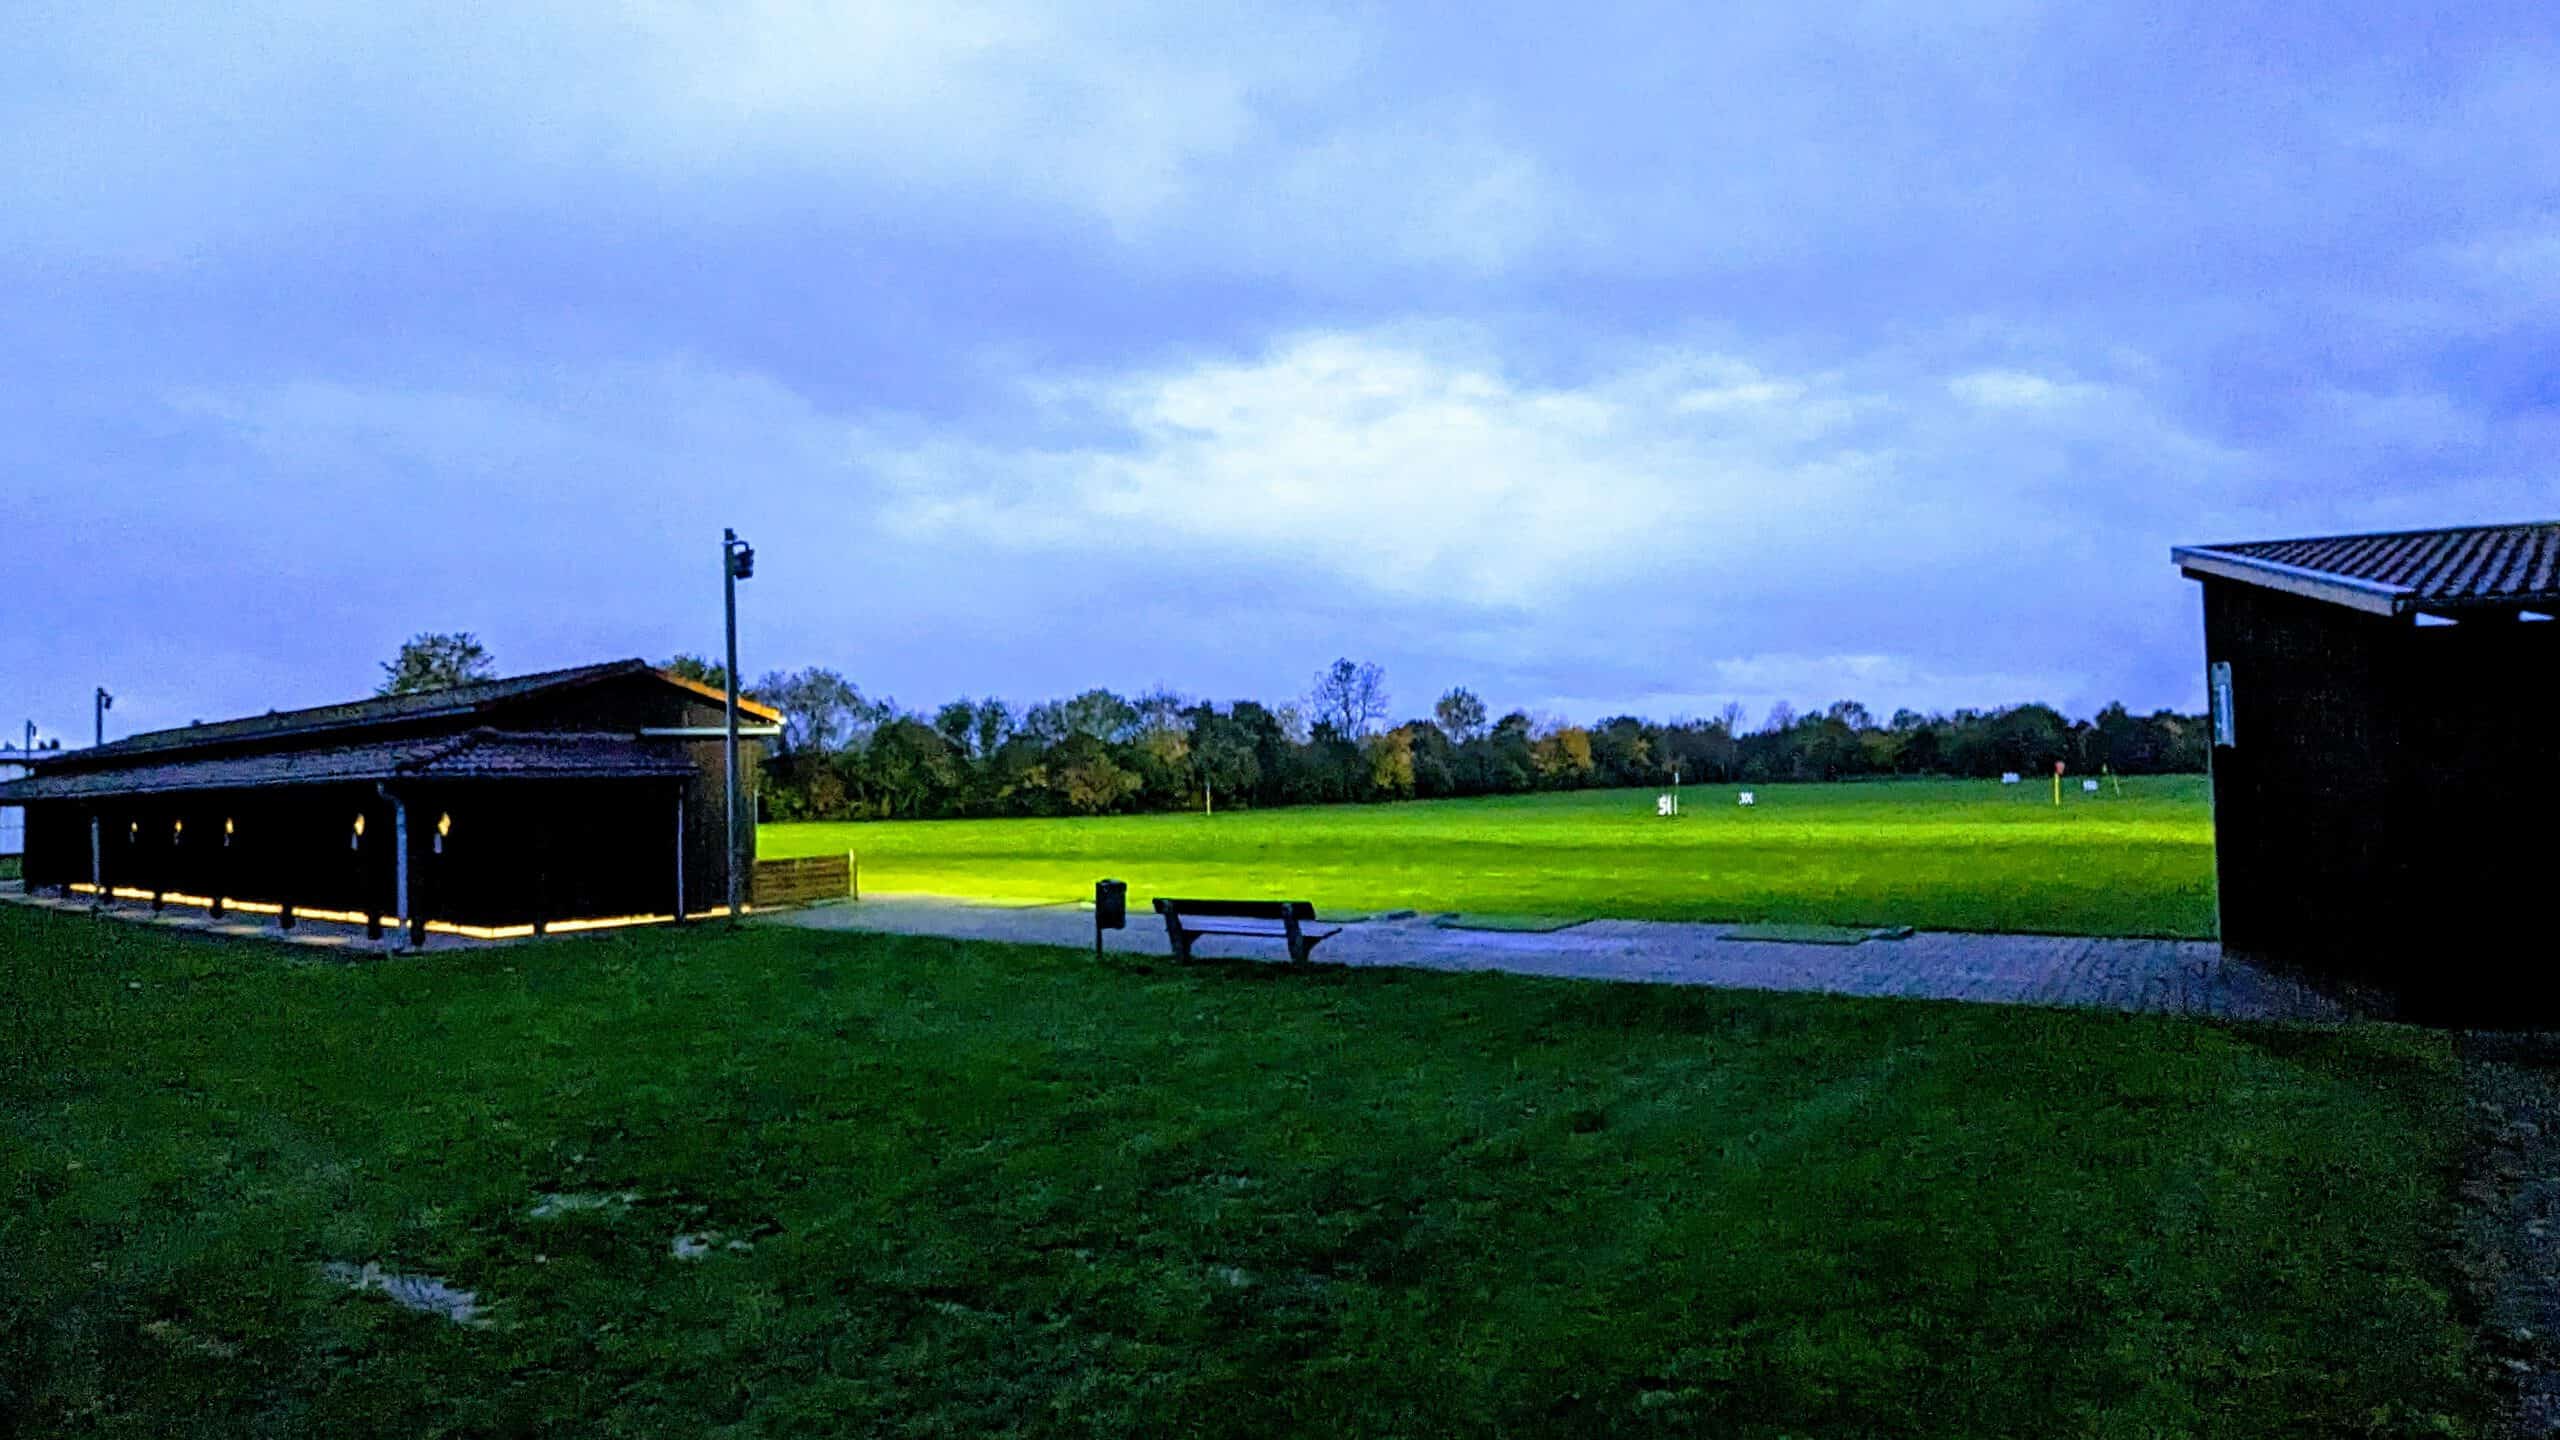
(1240, 909)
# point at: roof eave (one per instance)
(713, 692)
(2373, 597)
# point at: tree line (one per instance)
(846, 755)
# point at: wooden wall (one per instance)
(2303, 801)
(804, 881)
(518, 850)
(2480, 819)
(645, 701)
(2388, 808)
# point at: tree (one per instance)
(1086, 778)
(699, 671)
(1161, 751)
(911, 766)
(1461, 714)
(957, 721)
(1100, 714)
(1563, 757)
(1390, 759)
(1623, 750)
(1350, 697)
(994, 726)
(431, 661)
(821, 710)
(1435, 760)
(1509, 756)
(1222, 757)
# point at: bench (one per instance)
(1188, 920)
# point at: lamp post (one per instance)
(105, 703)
(737, 562)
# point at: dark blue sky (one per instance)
(1597, 357)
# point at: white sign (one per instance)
(1666, 806)
(2225, 729)
(2088, 787)
(2009, 778)
(1750, 799)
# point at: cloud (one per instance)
(159, 134)
(1675, 507)
(1879, 350)
(2017, 390)
(1670, 523)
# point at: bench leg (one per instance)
(1178, 937)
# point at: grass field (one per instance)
(1952, 855)
(1010, 1191)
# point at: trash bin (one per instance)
(1110, 905)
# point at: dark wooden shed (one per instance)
(570, 796)
(2385, 792)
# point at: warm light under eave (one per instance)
(389, 922)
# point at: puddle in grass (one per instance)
(698, 1244)
(551, 1207)
(423, 1293)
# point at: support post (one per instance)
(405, 900)
(541, 875)
(679, 911)
(97, 864)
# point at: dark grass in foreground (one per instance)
(1938, 854)
(998, 1189)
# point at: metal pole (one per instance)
(103, 703)
(729, 740)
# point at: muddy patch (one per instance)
(187, 1342)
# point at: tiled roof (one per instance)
(478, 755)
(454, 701)
(2472, 567)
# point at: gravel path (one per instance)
(2167, 977)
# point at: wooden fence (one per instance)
(805, 881)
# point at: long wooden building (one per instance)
(574, 795)
(2386, 716)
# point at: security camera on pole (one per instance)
(737, 562)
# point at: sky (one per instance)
(1599, 358)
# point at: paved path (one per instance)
(2156, 976)
(2159, 976)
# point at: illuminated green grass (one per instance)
(1961, 855)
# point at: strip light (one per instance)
(356, 917)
